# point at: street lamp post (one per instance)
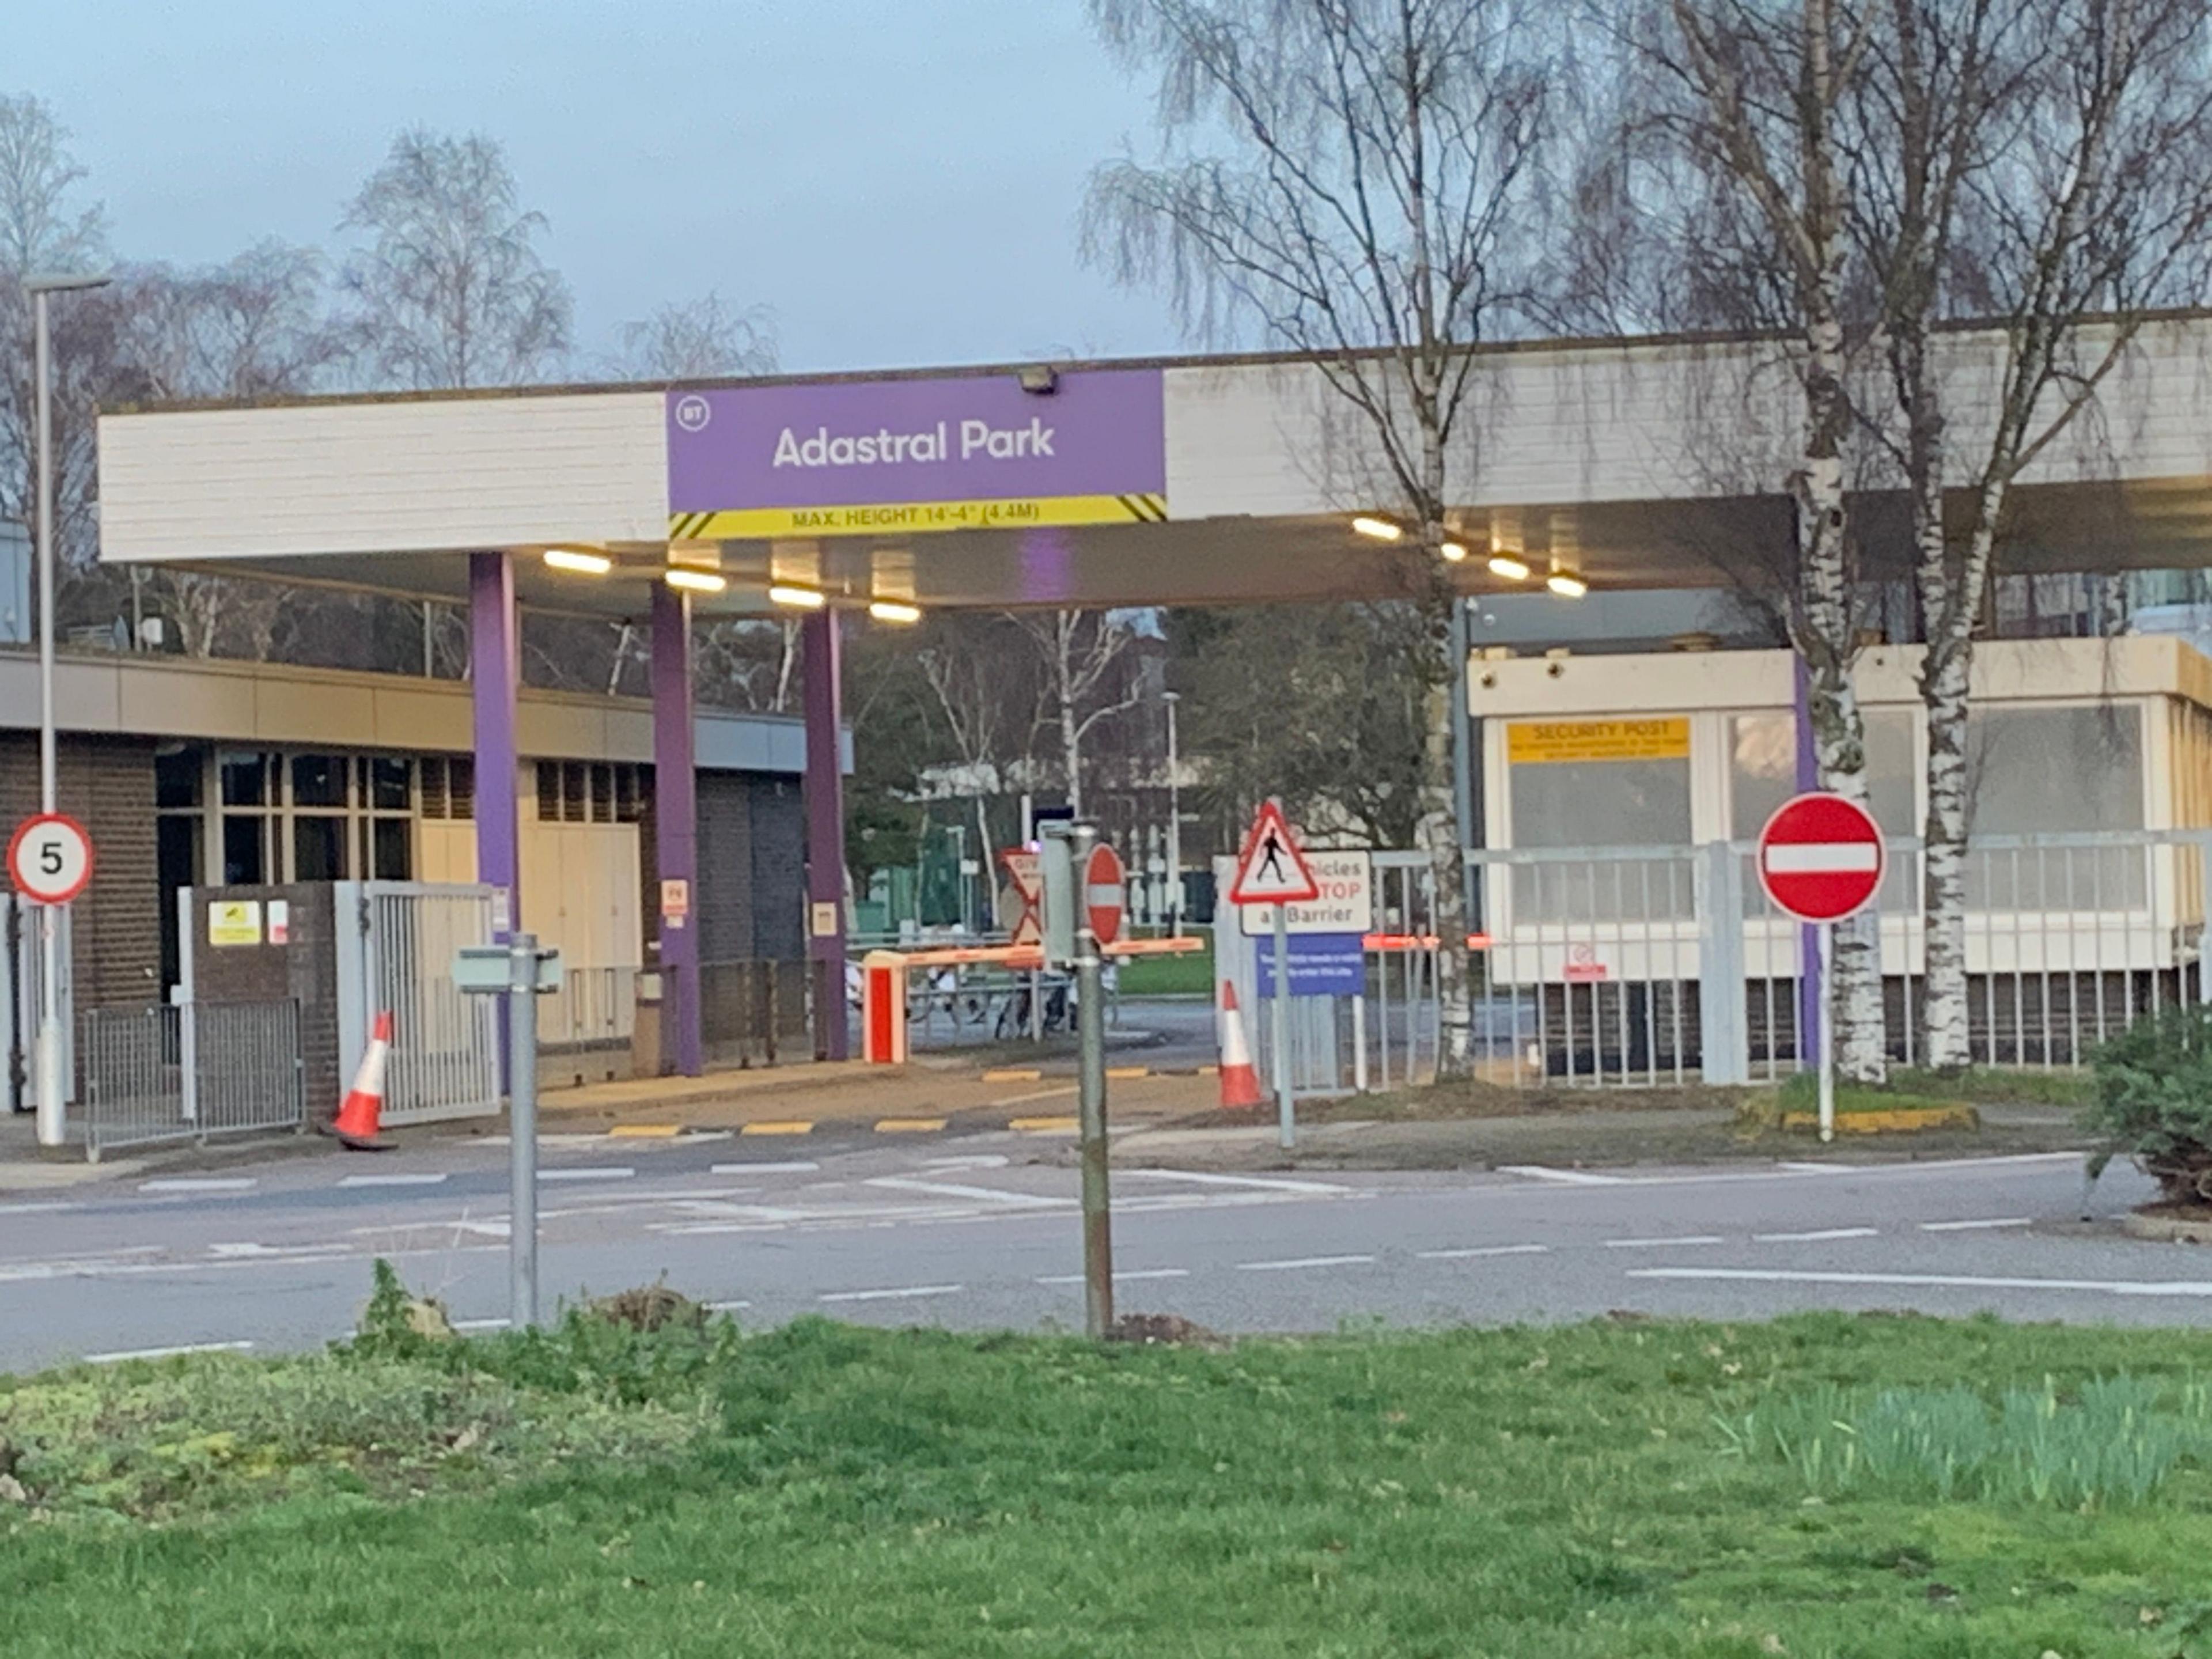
(1175, 822)
(52, 1123)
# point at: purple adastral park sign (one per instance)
(887, 457)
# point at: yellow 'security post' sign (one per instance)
(1537, 742)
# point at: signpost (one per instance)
(1272, 869)
(1820, 860)
(1077, 924)
(522, 972)
(49, 862)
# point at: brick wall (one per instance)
(108, 784)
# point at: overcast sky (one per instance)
(896, 181)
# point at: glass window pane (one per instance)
(319, 781)
(388, 782)
(392, 850)
(243, 856)
(575, 788)
(549, 792)
(1610, 803)
(177, 774)
(1762, 770)
(318, 849)
(244, 781)
(2014, 756)
(461, 774)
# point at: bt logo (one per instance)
(693, 412)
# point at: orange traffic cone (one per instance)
(359, 1116)
(1240, 1083)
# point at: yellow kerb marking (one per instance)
(1044, 1125)
(791, 1128)
(644, 1131)
(1013, 1074)
(908, 1126)
(1129, 1071)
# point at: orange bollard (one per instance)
(362, 1110)
(1240, 1080)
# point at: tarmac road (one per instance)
(981, 1231)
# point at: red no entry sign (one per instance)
(1820, 857)
(1105, 892)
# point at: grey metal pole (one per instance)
(522, 1129)
(53, 1120)
(1091, 1078)
(1286, 1123)
(1174, 823)
(1827, 1032)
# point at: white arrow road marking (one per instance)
(1568, 1177)
(887, 1296)
(1296, 1262)
(985, 1194)
(1944, 1281)
(122, 1354)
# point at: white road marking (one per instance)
(1948, 1281)
(1976, 1227)
(1481, 1250)
(795, 1166)
(498, 1324)
(888, 1295)
(975, 1161)
(1817, 1168)
(1130, 1273)
(598, 1172)
(244, 1252)
(37, 1209)
(122, 1354)
(726, 1307)
(1565, 1177)
(1663, 1243)
(985, 1194)
(199, 1184)
(1266, 1183)
(1820, 1235)
(1296, 1262)
(425, 1180)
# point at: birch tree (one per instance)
(1357, 180)
(1081, 652)
(1750, 100)
(2043, 167)
(696, 340)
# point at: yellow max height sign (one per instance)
(1537, 742)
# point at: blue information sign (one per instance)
(1321, 965)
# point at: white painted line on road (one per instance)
(727, 1307)
(37, 1209)
(123, 1354)
(243, 1251)
(1976, 1227)
(974, 1161)
(1480, 1250)
(795, 1166)
(1131, 1273)
(1267, 1183)
(1565, 1177)
(199, 1184)
(1296, 1262)
(602, 1172)
(1818, 1169)
(1946, 1281)
(1663, 1243)
(499, 1324)
(986, 1194)
(1822, 1235)
(425, 1180)
(888, 1295)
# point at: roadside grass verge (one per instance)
(1189, 975)
(1612, 1489)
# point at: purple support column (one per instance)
(1809, 988)
(675, 826)
(825, 832)
(495, 665)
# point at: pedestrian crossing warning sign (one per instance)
(1273, 868)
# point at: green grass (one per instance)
(1921, 1092)
(1591, 1492)
(1191, 974)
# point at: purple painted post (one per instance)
(495, 669)
(825, 832)
(675, 826)
(1809, 988)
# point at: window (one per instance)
(391, 850)
(2014, 759)
(245, 779)
(178, 775)
(1763, 773)
(318, 848)
(390, 784)
(1601, 783)
(549, 792)
(244, 849)
(319, 781)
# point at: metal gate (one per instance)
(189, 1070)
(398, 957)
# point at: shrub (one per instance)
(2154, 1101)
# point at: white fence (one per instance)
(1642, 966)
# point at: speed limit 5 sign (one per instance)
(50, 860)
